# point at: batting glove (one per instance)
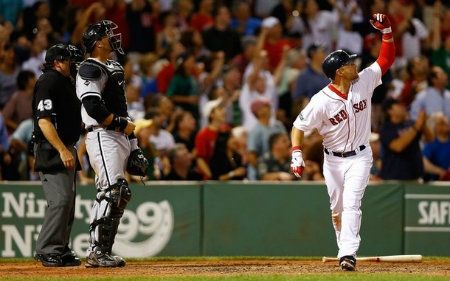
(297, 163)
(382, 23)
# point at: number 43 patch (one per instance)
(45, 105)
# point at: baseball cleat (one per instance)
(347, 263)
(99, 259)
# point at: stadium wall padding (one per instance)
(240, 219)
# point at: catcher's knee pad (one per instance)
(107, 210)
(120, 195)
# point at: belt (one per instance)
(92, 128)
(345, 154)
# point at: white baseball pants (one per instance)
(346, 180)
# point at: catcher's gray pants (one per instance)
(59, 190)
(108, 154)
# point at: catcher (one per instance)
(110, 141)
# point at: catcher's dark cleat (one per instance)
(100, 259)
(347, 263)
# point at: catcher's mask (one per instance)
(99, 30)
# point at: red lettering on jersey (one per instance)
(360, 106)
(333, 121)
(338, 118)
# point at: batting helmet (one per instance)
(57, 52)
(99, 30)
(334, 61)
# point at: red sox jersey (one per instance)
(343, 122)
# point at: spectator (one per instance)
(133, 83)
(437, 153)
(418, 70)
(272, 41)
(258, 136)
(221, 37)
(414, 38)
(20, 144)
(183, 89)
(440, 46)
(259, 83)
(39, 45)
(161, 139)
(375, 145)
(226, 152)
(318, 26)
(181, 165)
(242, 60)
(231, 82)
(142, 31)
(192, 41)
(143, 131)
(166, 107)
(243, 22)
(401, 154)
(205, 139)
(169, 63)
(435, 98)
(5, 157)
(185, 130)
(149, 85)
(8, 74)
(18, 108)
(203, 19)
(183, 10)
(312, 80)
(169, 33)
(275, 164)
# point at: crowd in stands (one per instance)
(214, 86)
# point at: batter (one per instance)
(341, 114)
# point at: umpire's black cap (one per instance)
(336, 60)
(57, 52)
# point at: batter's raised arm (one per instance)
(387, 52)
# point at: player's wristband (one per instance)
(386, 30)
(297, 147)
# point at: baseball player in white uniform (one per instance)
(100, 86)
(341, 114)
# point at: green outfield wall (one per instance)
(240, 219)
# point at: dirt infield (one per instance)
(220, 268)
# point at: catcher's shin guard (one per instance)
(107, 210)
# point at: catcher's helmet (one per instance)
(334, 61)
(57, 52)
(97, 31)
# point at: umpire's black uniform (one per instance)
(55, 100)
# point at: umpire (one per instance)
(56, 114)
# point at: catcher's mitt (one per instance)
(137, 163)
